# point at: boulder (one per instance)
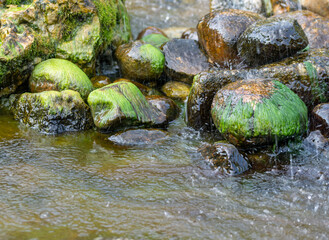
(306, 74)
(59, 74)
(271, 40)
(219, 31)
(166, 105)
(100, 81)
(320, 119)
(122, 105)
(146, 91)
(190, 33)
(53, 112)
(320, 7)
(258, 112)
(150, 30)
(155, 39)
(176, 90)
(284, 6)
(140, 62)
(184, 59)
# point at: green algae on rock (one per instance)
(258, 112)
(60, 74)
(121, 105)
(139, 61)
(155, 39)
(53, 112)
(150, 30)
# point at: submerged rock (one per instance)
(166, 105)
(176, 90)
(258, 112)
(225, 158)
(184, 59)
(121, 105)
(138, 137)
(53, 112)
(315, 27)
(190, 33)
(271, 40)
(150, 30)
(219, 31)
(156, 40)
(139, 61)
(59, 74)
(320, 119)
(306, 74)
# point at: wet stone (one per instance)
(219, 31)
(166, 105)
(190, 33)
(176, 90)
(156, 40)
(317, 143)
(184, 59)
(320, 7)
(100, 81)
(225, 158)
(271, 40)
(147, 91)
(283, 6)
(139, 137)
(150, 30)
(320, 119)
(247, 5)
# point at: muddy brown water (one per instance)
(80, 186)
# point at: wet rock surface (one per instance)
(122, 105)
(225, 158)
(150, 30)
(284, 6)
(184, 59)
(146, 91)
(271, 40)
(247, 5)
(190, 33)
(317, 143)
(176, 90)
(166, 105)
(53, 112)
(218, 36)
(100, 81)
(320, 119)
(156, 40)
(258, 112)
(140, 62)
(59, 74)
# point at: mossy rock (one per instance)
(53, 112)
(100, 81)
(258, 112)
(146, 91)
(219, 31)
(271, 40)
(140, 62)
(155, 39)
(150, 30)
(60, 74)
(121, 105)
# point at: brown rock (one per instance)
(190, 33)
(166, 105)
(320, 119)
(176, 90)
(320, 7)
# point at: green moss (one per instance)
(153, 55)
(155, 39)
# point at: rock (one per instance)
(184, 59)
(59, 74)
(247, 5)
(146, 91)
(284, 6)
(121, 105)
(53, 112)
(166, 105)
(176, 90)
(320, 119)
(139, 137)
(174, 32)
(306, 74)
(320, 7)
(219, 31)
(150, 30)
(258, 112)
(100, 81)
(76, 30)
(140, 62)
(314, 26)
(190, 33)
(271, 40)
(156, 40)
(225, 158)
(317, 143)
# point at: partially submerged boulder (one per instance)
(59, 74)
(121, 105)
(176, 90)
(320, 119)
(190, 33)
(140, 62)
(219, 31)
(184, 59)
(258, 112)
(53, 112)
(146, 91)
(166, 105)
(271, 40)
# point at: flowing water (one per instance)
(80, 186)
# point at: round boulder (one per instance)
(176, 90)
(258, 112)
(155, 39)
(166, 105)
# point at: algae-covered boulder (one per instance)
(184, 59)
(100, 81)
(225, 158)
(139, 61)
(271, 40)
(306, 74)
(284, 6)
(150, 30)
(121, 105)
(258, 112)
(60, 74)
(53, 112)
(219, 31)
(315, 27)
(79, 31)
(155, 39)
